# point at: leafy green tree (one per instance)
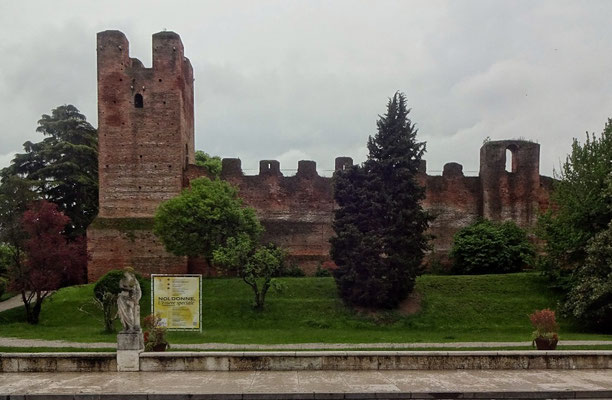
(590, 298)
(203, 217)
(580, 209)
(63, 167)
(256, 265)
(209, 220)
(15, 195)
(380, 224)
(6, 257)
(487, 247)
(211, 163)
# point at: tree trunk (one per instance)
(26, 304)
(36, 311)
(259, 304)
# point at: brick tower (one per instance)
(510, 195)
(146, 141)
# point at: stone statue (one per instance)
(128, 302)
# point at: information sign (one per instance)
(177, 300)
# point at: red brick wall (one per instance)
(140, 249)
(143, 152)
(297, 211)
(147, 156)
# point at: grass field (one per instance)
(454, 308)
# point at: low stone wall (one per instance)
(311, 360)
(373, 360)
(58, 362)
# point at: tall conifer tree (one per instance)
(380, 224)
(63, 167)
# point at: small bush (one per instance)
(544, 323)
(154, 334)
(487, 247)
(292, 271)
(106, 291)
(322, 272)
(437, 265)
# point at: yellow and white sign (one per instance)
(177, 300)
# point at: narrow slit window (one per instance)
(186, 156)
(511, 161)
(138, 101)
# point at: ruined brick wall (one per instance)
(297, 211)
(454, 200)
(511, 195)
(146, 142)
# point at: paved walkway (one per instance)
(13, 302)
(17, 342)
(316, 384)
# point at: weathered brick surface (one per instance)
(143, 151)
(147, 156)
(510, 195)
(297, 211)
(140, 249)
(144, 148)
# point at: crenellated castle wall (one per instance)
(297, 211)
(146, 156)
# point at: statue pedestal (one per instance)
(129, 347)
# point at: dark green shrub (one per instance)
(292, 271)
(106, 290)
(322, 272)
(437, 264)
(487, 247)
(590, 299)
(3, 285)
(6, 259)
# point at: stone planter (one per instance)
(160, 347)
(546, 343)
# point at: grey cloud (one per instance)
(289, 79)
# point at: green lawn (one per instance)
(454, 308)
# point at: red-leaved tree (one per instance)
(50, 258)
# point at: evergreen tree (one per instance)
(63, 167)
(380, 224)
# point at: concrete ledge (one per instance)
(58, 362)
(568, 394)
(373, 360)
(312, 360)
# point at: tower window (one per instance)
(186, 156)
(138, 102)
(511, 160)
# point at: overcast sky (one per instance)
(293, 80)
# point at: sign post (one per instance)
(177, 300)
